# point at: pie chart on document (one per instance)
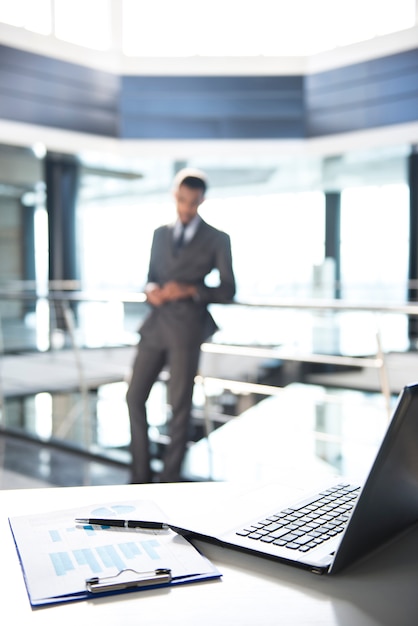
(112, 511)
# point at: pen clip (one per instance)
(129, 579)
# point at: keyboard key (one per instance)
(279, 542)
(303, 540)
(271, 527)
(289, 537)
(278, 533)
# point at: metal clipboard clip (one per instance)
(128, 579)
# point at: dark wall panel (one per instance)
(212, 107)
(180, 128)
(56, 114)
(40, 90)
(365, 95)
(45, 91)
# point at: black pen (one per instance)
(121, 523)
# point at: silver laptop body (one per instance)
(384, 506)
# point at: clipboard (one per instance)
(64, 562)
(128, 579)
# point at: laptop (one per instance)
(333, 528)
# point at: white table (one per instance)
(253, 591)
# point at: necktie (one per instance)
(179, 243)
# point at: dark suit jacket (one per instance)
(188, 322)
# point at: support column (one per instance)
(62, 179)
(28, 230)
(333, 234)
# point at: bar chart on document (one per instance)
(145, 551)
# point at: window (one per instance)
(165, 28)
(374, 264)
(267, 27)
(276, 241)
(84, 22)
(374, 244)
(34, 15)
(268, 234)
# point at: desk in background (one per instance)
(382, 590)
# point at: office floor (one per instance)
(25, 464)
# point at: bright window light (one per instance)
(161, 29)
(164, 28)
(38, 17)
(34, 15)
(84, 22)
(43, 415)
(375, 255)
(231, 28)
(13, 12)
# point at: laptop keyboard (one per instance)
(309, 523)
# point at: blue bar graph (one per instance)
(55, 536)
(99, 558)
(129, 550)
(149, 548)
(110, 557)
(62, 562)
(86, 556)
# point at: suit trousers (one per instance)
(150, 360)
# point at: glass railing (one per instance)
(65, 360)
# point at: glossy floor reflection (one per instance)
(41, 398)
(26, 464)
(306, 430)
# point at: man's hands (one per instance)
(169, 292)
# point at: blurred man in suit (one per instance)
(182, 255)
